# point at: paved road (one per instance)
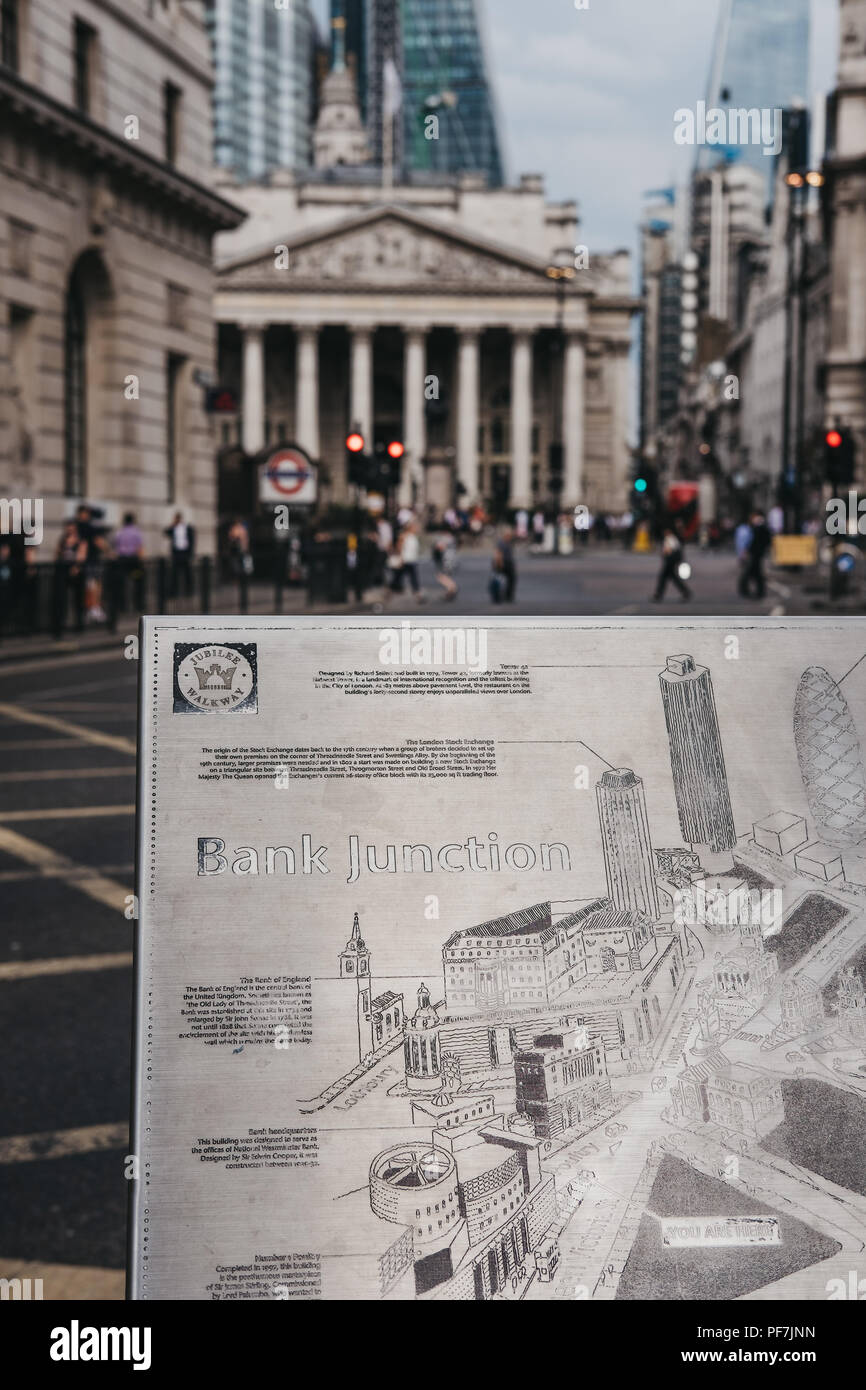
(67, 781)
(67, 786)
(604, 579)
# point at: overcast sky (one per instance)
(586, 97)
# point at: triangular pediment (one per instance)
(387, 247)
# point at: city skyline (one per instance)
(621, 112)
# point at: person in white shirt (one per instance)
(410, 553)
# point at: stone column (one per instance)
(620, 456)
(414, 419)
(307, 389)
(361, 379)
(253, 388)
(573, 420)
(521, 418)
(468, 388)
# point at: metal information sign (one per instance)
(500, 960)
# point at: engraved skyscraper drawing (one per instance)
(625, 838)
(697, 760)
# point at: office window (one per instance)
(9, 50)
(171, 121)
(85, 51)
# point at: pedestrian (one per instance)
(538, 528)
(128, 547)
(509, 564)
(240, 556)
(70, 556)
(672, 559)
(410, 554)
(445, 561)
(394, 570)
(94, 546)
(384, 542)
(752, 572)
(182, 538)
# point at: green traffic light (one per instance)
(640, 484)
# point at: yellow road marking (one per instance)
(49, 861)
(66, 774)
(58, 1143)
(64, 726)
(67, 813)
(67, 1282)
(64, 965)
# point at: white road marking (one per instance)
(59, 1143)
(66, 813)
(56, 865)
(63, 726)
(64, 965)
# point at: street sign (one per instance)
(288, 476)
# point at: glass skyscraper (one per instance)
(760, 59)
(263, 60)
(445, 74)
(438, 49)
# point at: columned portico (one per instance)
(414, 430)
(393, 296)
(468, 384)
(573, 419)
(521, 418)
(307, 389)
(361, 382)
(253, 375)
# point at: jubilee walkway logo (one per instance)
(221, 678)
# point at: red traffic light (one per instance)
(834, 439)
(355, 443)
(395, 449)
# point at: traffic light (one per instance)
(840, 456)
(395, 449)
(356, 463)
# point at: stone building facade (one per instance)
(458, 319)
(106, 320)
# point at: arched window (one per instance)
(75, 374)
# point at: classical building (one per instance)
(802, 1005)
(851, 1006)
(748, 1101)
(106, 329)
(442, 313)
(421, 1049)
(476, 1204)
(560, 1081)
